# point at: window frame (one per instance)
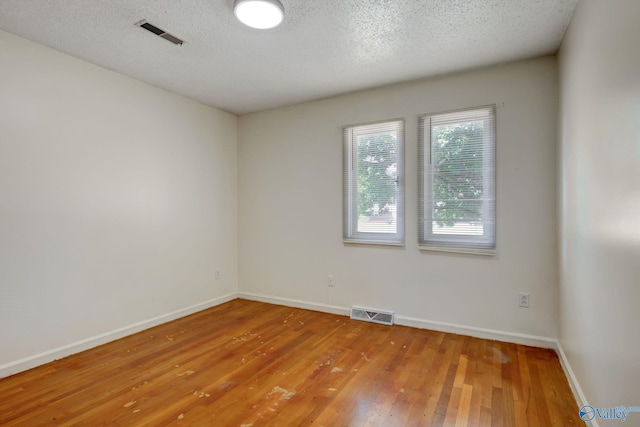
(427, 240)
(350, 185)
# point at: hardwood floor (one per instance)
(246, 363)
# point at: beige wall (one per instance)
(600, 201)
(290, 205)
(117, 201)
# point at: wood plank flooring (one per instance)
(246, 363)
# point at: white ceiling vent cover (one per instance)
(372, 315)
(159, 32)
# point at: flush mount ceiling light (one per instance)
(261, 14)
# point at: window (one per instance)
(373, 188)
(457, 181)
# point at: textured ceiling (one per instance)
(323, 48)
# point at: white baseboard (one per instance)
(490, 334)
(76, 347)
(573, 381)
(325, 308)
(510, 337)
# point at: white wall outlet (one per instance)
(524, 300)
(330, 282)
(218, 275)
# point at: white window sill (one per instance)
(459, 250)
(372, 242)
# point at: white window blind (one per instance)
(457, 181)
(373, 210)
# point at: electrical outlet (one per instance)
(218, 275)
(524, 299)
(330, 282)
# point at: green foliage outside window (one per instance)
(457, 157)
(377, 173)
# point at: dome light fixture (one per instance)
(260, 14)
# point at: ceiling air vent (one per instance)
(159, 32)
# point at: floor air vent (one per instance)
(371, 315)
